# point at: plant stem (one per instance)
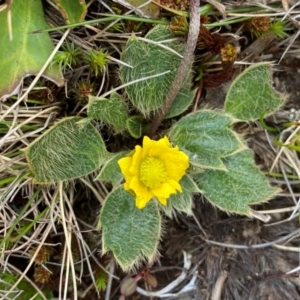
(185, 64)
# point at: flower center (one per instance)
(152, 172)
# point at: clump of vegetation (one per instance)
(92, 167)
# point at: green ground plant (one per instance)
(221, 166)
(134, 198)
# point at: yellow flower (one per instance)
(153, 170)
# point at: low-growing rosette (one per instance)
(154, 170)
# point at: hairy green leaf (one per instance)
(184, 99)
(111, 171)
(206, 137)
(66, 151)
(182, 201)
(148, 59)
(251, 94)
(112, 111)
(237, 187)
(132, 234)
(134, 125)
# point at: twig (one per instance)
(110, 279)
(162, 293)
(217, 290)
(256, 246)
(184, 65)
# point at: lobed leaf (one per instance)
(237, 187)
(206, 137)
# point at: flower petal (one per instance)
(160, 147)
(163, 201)
(176, 164)
(136, 160)
(127, 184)
(147, 145)
(141, 202)
(164, 142)
(169, 164)
(140, 190)
(175, 184)
(125, 164)
(164, 191)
